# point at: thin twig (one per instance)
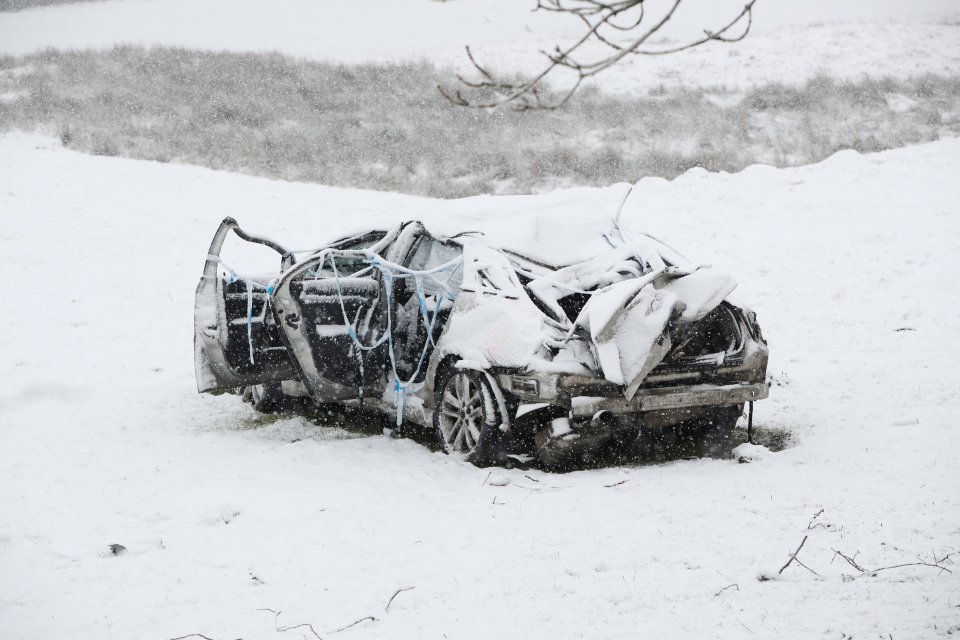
(794, 558)
(810, 524)
(813, 524)
(302, 624)
(615, 484)
(353, 624)
(276, 617)
(936, 564)
(395, 594)
(734, 585)
(279, 629)
(192, 635)
(850, 560)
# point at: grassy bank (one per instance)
(385, 127)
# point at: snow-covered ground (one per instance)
(851, 265)
(792, 41)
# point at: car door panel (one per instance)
(324, 320)
(236, 340)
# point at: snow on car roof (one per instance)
(555, 229)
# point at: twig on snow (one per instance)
(395, 594)
(279, 629)
(936, 564)
(811, 525)
(192, 635)
(850, 560)
(302, 624)
(794, 558)
(276, 617)
(616, 484)
(353, 624)
(734, 585)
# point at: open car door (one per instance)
(329, 309)
(236, 338)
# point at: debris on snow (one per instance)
(747, 452)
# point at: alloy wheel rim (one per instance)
(461, 417)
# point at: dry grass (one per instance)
(16, 5)
(385, 127)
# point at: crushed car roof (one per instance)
(554, 229)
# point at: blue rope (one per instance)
(250, 319)
(251, 284)
(390, 272)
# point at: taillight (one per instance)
(755, 327)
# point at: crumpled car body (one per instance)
(499, 353)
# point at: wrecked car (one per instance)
(500, 352)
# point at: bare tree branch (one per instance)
(619, 26)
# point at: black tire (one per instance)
(721, 421)
(716, 430)
(466, 417)
(265, 398)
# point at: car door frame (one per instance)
(291, 317)
(214, 373)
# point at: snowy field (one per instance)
(229, 517)
(850, 264)
(792, 40)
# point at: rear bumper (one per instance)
(666, 399)
(741, 378)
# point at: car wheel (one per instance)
(721, 421)
(465, 416)
(716, 429)
(265, 398)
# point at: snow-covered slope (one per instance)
(103, 439)
(792, 40)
